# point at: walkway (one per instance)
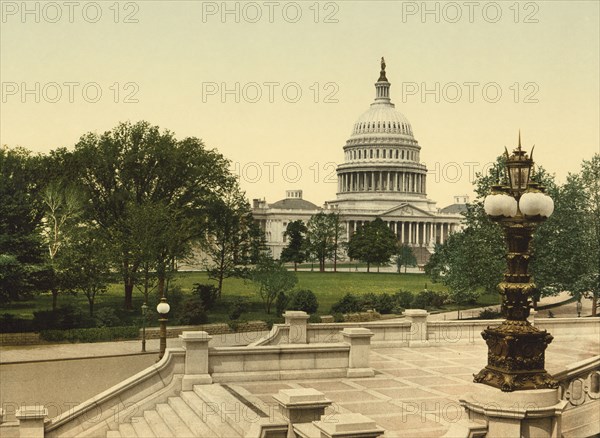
(415, 391)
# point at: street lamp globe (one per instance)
(163, 307)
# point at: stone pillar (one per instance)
(348, 426)
(409, 233)
(530, 413)
(195, 345)
(418, 327)
(389, 181)
(31, 421)
(360, 345)
(297, 321)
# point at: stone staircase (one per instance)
(207, 411)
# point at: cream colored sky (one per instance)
(542, 56)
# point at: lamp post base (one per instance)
(516, 357)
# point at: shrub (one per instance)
(281, 303)
(347, 304)
(368, 301)
(63, 318)
(403, 299)
(193, 312)
(237, 307)
(385, 303)
(106, 317)
(208, 293)
(338, 317)
(97, 334)
(428, 298)
(489, 313)
(305, 300)
(9, 323)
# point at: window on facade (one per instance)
(396, 154)
(384, 153)
(377, 156)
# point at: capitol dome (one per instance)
(384, 119)
(381, 157)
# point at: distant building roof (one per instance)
(454, 209)
(294, 204)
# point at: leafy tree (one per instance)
(272, 278)
(85, 264)
(233, 240)
(295, 251)
(405, 257)
(62, 208)
(558, 260)
(136, 165)
(374, 242)
(22, 268)
(323, 237)
(590, 176)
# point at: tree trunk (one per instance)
(295, 267)
(594, 304)
(91, 303)
(54, 298)
(368, 267)
(128, 305)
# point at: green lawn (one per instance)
(328, 286)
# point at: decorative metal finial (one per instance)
(382, 73)
(519, 139)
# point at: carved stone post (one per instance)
(348, 426)
(360, 346)
(418, 327)
(31, 421)
(196, 359)
(297, 321)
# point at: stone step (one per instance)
(157, 424)
(242, 418)
(113, 434)
(209, 415)
(173, 421)
(142, 429)
(127, 431)
(190, 418)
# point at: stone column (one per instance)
(418, 327)
(195, 345)
(360, 345)
(372, 181)
(389, 181)
(401, 224)
(297, 321)
(31, 421)
(348, 426)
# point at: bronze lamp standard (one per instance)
(516, 348)
(144, 313)
(162, 309)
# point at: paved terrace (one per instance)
(415, 391)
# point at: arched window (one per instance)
(396, 154)
(384, 153)
(377, 156)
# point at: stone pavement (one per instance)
(415, 391)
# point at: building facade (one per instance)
(381, 176)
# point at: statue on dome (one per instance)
(382, 73)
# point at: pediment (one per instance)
(406, 209)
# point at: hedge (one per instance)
(98, 334)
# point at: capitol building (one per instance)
(381, 177)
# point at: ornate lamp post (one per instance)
(516, 348)
(162, 309)
(144, 313)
